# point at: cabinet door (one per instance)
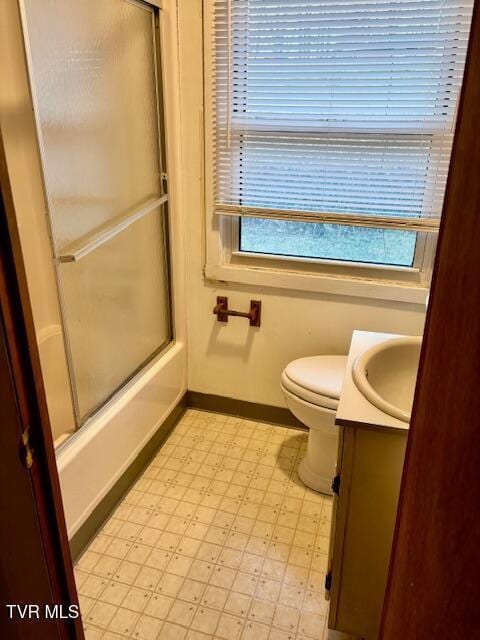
(333, 523)
(371, 469)
(338, 524)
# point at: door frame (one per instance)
(433, 587)
(36, 562)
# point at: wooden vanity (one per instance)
(369, 469)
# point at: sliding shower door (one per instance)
(95, 81)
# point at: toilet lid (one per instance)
(320, 375)
(308, 396)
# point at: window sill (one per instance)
(319, 282)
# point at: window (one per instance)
(332, 124)
(328, 241)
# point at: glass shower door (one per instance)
(94, 75)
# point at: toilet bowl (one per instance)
(311, 387)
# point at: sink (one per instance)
(386, 375)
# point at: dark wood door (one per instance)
(35, 563)
(434, 583)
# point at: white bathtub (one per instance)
(94, 458)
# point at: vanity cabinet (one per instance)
(369, 468)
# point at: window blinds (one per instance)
(339, 112)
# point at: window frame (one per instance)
(224, 261)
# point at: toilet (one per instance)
(311, 387)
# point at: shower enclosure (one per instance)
(96, 87)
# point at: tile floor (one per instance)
(217, 539)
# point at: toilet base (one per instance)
(313, 480)
(317, 469)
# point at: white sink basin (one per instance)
(386, 375)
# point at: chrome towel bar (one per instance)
(77, 251)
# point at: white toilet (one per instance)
(312, 388)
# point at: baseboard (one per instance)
(251, 410)
(102, 511)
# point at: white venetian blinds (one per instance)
(339, 112)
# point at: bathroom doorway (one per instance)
(101, 238)
(432, 489)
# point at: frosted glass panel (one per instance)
(115, 309)
(93, 70)
(93, 66)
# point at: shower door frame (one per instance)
(119, 224)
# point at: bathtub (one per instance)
(95, 457)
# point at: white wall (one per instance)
(235, 360)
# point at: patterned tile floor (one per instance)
(217, 539)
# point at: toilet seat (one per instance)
(308, 396)
(316, 379)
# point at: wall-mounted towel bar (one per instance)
(222, 311)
